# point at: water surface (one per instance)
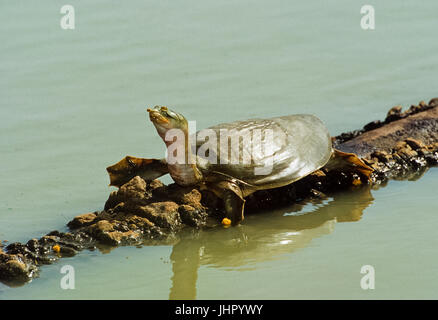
(73, 102)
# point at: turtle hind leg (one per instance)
(234, 206)
(129, 167)
(350, 161)
(232, 196)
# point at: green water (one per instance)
(73, 102)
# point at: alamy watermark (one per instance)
(68, 19)
(368, 281)
(368, 20)
(68, 281)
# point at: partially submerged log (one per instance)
(149, 213)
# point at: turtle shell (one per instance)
(265, 153)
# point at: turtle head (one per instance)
(165, 119)
(182, 166)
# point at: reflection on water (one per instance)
(261, 238)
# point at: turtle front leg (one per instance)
(129, 167)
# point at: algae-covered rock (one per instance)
(133, 191)
(15, 269)
(192, 216)
(164, 214)
(82, 220)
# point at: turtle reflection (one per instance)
(258, 240)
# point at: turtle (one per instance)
(299, 145)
